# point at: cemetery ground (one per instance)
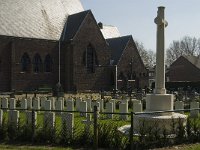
(83, 133)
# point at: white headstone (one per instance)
(47, 105)
(89, 104)
(4, 103)
(179, 105)
(70, 105)
(1, 117)
(194, 105)
(52, 99)
(42, 102)
(29, 103)
(62, 99)
(12, 103)
(137, 106)
(123, 108)
(114, 104)
(59, 105)
(83, 109)
(109, 109)
(101, 101)
(31, 116)
(13, 116)
(23, 103)
(49, 119)
(78, 100)
(36, 103)
(68, 120)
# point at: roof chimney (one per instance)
(100, 24)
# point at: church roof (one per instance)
(117, 46)
(42, 19)
(73, 23)
(110, 31)
(195, 60)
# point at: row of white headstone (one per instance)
(179, 105)
(49, 119)
(83, 106)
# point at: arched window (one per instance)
(90, 59)
(25, 62)
(37, 63)
(48, 64)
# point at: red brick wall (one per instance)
(89, 33)
(183, 70)
(138, 67)
(5, 65)
(26, 80)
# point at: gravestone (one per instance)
(123, 108)
(70, 105)
(114, 104)
(62, 99)
(89, 104)
(109, 109)
(1, 117)
(12, 103)
(24, 104)
(59, 106)
(83, 109)
(47, 105)
(30, 116)
(68, 121)
(49, 120)
(78, 100)
(4, 103)
(137, 106)
(101, 107)
(13, 117)
(42, 102)
(179, 105)
(52, 99)
(88, 122)
(194, 113)
(29, 103)
(36, 103)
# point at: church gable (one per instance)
(72, 25)
(90, 50)
(131, 66)
(185, 68)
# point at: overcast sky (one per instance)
(136, 17)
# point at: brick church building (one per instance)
(43, 42)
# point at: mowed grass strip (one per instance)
(30, 147)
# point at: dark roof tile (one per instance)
(117, 46)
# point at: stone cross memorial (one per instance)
(159, 100)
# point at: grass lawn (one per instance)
(30, 147)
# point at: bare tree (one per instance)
(148, 56)
(186, 46)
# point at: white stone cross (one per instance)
(160, 52)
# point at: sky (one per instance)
(136, 18)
